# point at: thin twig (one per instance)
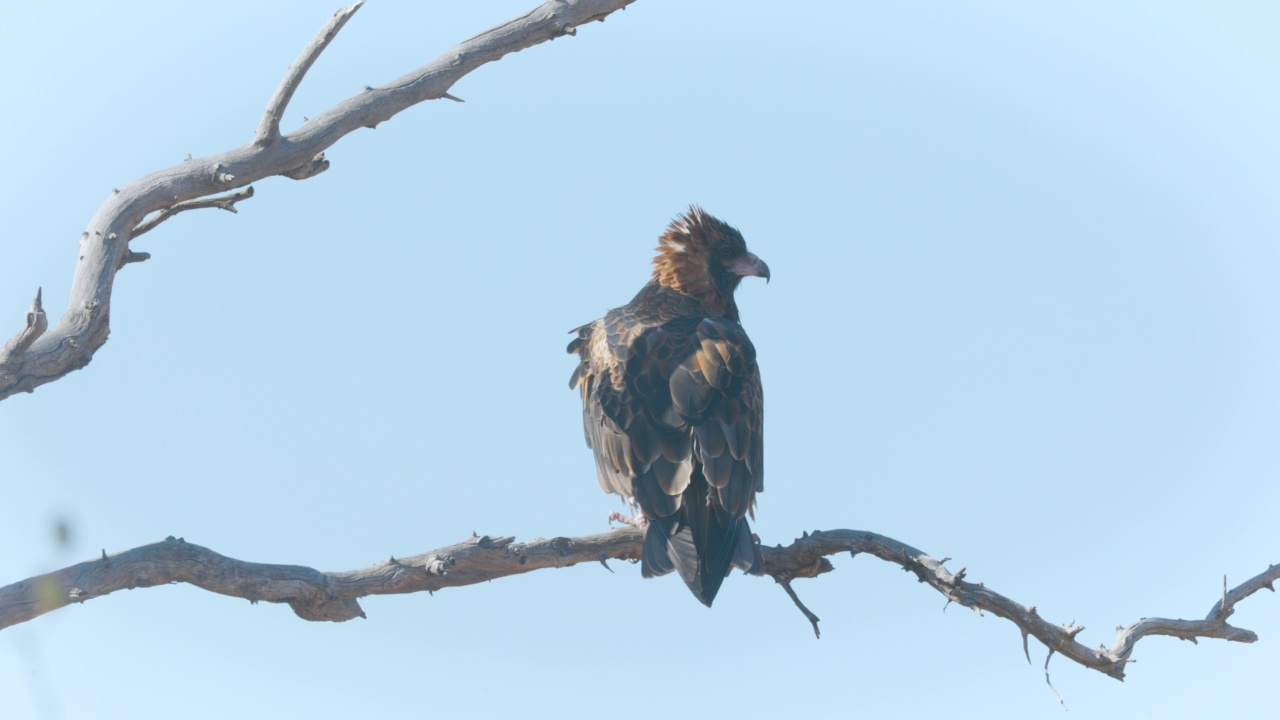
(1049, 682)
(225, 202)
(813, 619)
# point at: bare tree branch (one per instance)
(334, 596)
(808, 554)
(104, 247)
(269, 126)
(225, 202)
(813, 619)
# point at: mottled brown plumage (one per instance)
(672, 405)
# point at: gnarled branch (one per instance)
(334, 596)
(105, 248)
(808, 555)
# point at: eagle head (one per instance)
(705, 258)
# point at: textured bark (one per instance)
(334, 596)
(35, 357)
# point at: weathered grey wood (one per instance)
(35, 325)
(269, 126)
(334, 596)
(810, 551)
(32, 359)
(225, 202)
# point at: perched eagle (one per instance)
(672, 405)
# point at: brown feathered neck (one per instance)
(693, 255)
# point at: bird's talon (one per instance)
(639, 521)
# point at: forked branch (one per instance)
(34, 357)
(334, 596)
(225, 202)
(269, 126)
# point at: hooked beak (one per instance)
(751, 265)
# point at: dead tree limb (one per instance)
(35, 357)
(334, 596)
(225, 202)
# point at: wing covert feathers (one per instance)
(673, 408)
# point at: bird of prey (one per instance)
(673, 408)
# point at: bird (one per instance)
(673, 409)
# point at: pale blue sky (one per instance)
(1023, 314)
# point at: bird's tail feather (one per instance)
(696, 543)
